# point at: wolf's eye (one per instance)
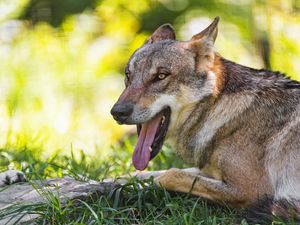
(161, 76)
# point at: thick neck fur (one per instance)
(240, 78)
(255, 103)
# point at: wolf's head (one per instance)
(164, 77)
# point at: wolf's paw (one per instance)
(10, 177)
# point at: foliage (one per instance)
(60, 73)
(54, 11)
(57, 84)
(82, 166)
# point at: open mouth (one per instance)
(151, 138)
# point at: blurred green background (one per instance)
(62, 62)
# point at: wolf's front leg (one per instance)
(200, 185)
(142, 175)
(147, 174)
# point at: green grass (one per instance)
(135, 203)
(138, 202)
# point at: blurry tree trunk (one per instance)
(264, 49)
(260, 30)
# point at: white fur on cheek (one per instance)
(167, 100)
(163, 101)
(185, 96)
(189, 96)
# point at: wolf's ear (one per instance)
(209, 33)
(202, 44)
(164, 32)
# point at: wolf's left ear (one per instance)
(164, 32)
(210, 33)
(202, 44)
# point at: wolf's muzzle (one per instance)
(121, 111)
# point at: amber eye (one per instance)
(162, 76)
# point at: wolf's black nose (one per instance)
(121, 111)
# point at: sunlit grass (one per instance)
(138, 202)
(57, 85)
(135, 203)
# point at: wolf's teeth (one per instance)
(163, 119)
(150, 149)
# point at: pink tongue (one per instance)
(141, 154)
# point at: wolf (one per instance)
(238, 126)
